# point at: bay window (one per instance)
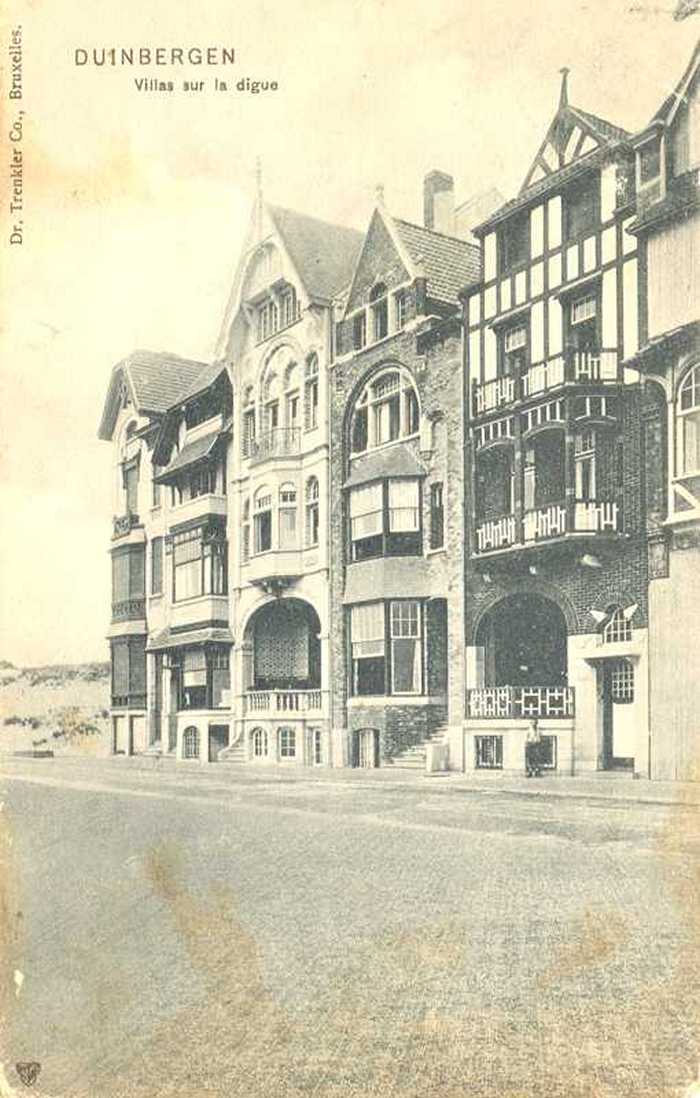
(385, 519)
(386, 647)
(312, 512)
(128, 582)
(311, 393)
(130, 473)
(128, 671)
(262, 521)
(584, 464)
(199, 564)
(202, 675)
(288, 517)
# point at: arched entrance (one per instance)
(524, 642)
(284, 647)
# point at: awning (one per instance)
(197, 450)
(167, 639)
(387, 578)
(396, 461)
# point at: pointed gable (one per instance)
(380, 260)
(572, 134)
(322, 253)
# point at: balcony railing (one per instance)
(283, 701)
(128, 701)
(496, 534)
(551, 521)
(124, 524)
(509, 702)
(577, 367)
(129, 610)
(279, 442)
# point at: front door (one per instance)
(218, 739)
(617, 696)
(367, 748)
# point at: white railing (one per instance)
(596, 517)
(493, 394)
(283, 701)
(545, 376)
(544, 522)
(494, 702)
(278, 442)
(595, 365)
(495, 533)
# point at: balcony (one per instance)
(274, 702)
(555, 520)
(129, 610)
(524, 702)
(128, 701)
(570, 368)
(209, 503)
(280, 442)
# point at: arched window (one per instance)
(263, 520)
(259, 740)
(616, 628)
(190, 743)
(688, 424)
(311, 392)
(379, 305)
(312, 513)
(288, 516)
(271, 401)
(386, 411)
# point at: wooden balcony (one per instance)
(280, 442)
(275, 702)
(524, 702)
(541, 524)
(570, 368)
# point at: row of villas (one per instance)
(440, 480)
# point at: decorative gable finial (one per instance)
(564, 93)
(258, 177)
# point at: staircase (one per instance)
(234, 753)
(413, 758)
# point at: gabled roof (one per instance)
(664, 115)
(572, 134)
(190, 454)
(323, 254)
(450, 264)
(155, 381)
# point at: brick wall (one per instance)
(399, 726)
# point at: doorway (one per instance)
(616, 693)
(218, 740)
(365, 744)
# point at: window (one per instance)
(583, 309)
(272, 415)
(190, 743)
(401, 309)
(514, 357)
(547, 756)
(617, 628)
(202, 675)
(131, 485)
(583, 328)
(317, 746)
(437, 517)
(259, 739)
(622, 682)
(199, 564)
(312, 513)
(289, 307)
(157, 566)
(263, 520)
(288, 517)
(489, 752)
(267, 320)
(584, 464)
(386, 411)
(385, 519)
(128, 582)
(368, 648)
(514, 242)
(288, 743)
(203, 481)
(650, 161)
(581, 209)
(379, 308)
(688, 424)
(245, 531)
(359, 331)
(406, 647)
(248, 425)
(129, 671)
(311, 393)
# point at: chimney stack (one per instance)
(439, 202)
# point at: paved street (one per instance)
(211, 933)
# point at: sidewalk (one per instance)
(592, 788)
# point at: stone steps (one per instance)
(414, 757)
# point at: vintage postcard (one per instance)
(350, 567)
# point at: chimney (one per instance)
(439, 202)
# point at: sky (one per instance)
(136, 204)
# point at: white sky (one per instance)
(136, 204)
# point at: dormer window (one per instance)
(289, 307)
(267, 320)
(649, 162)
(514, 242)
(386, 411)
(379, 306)
(581, 204)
